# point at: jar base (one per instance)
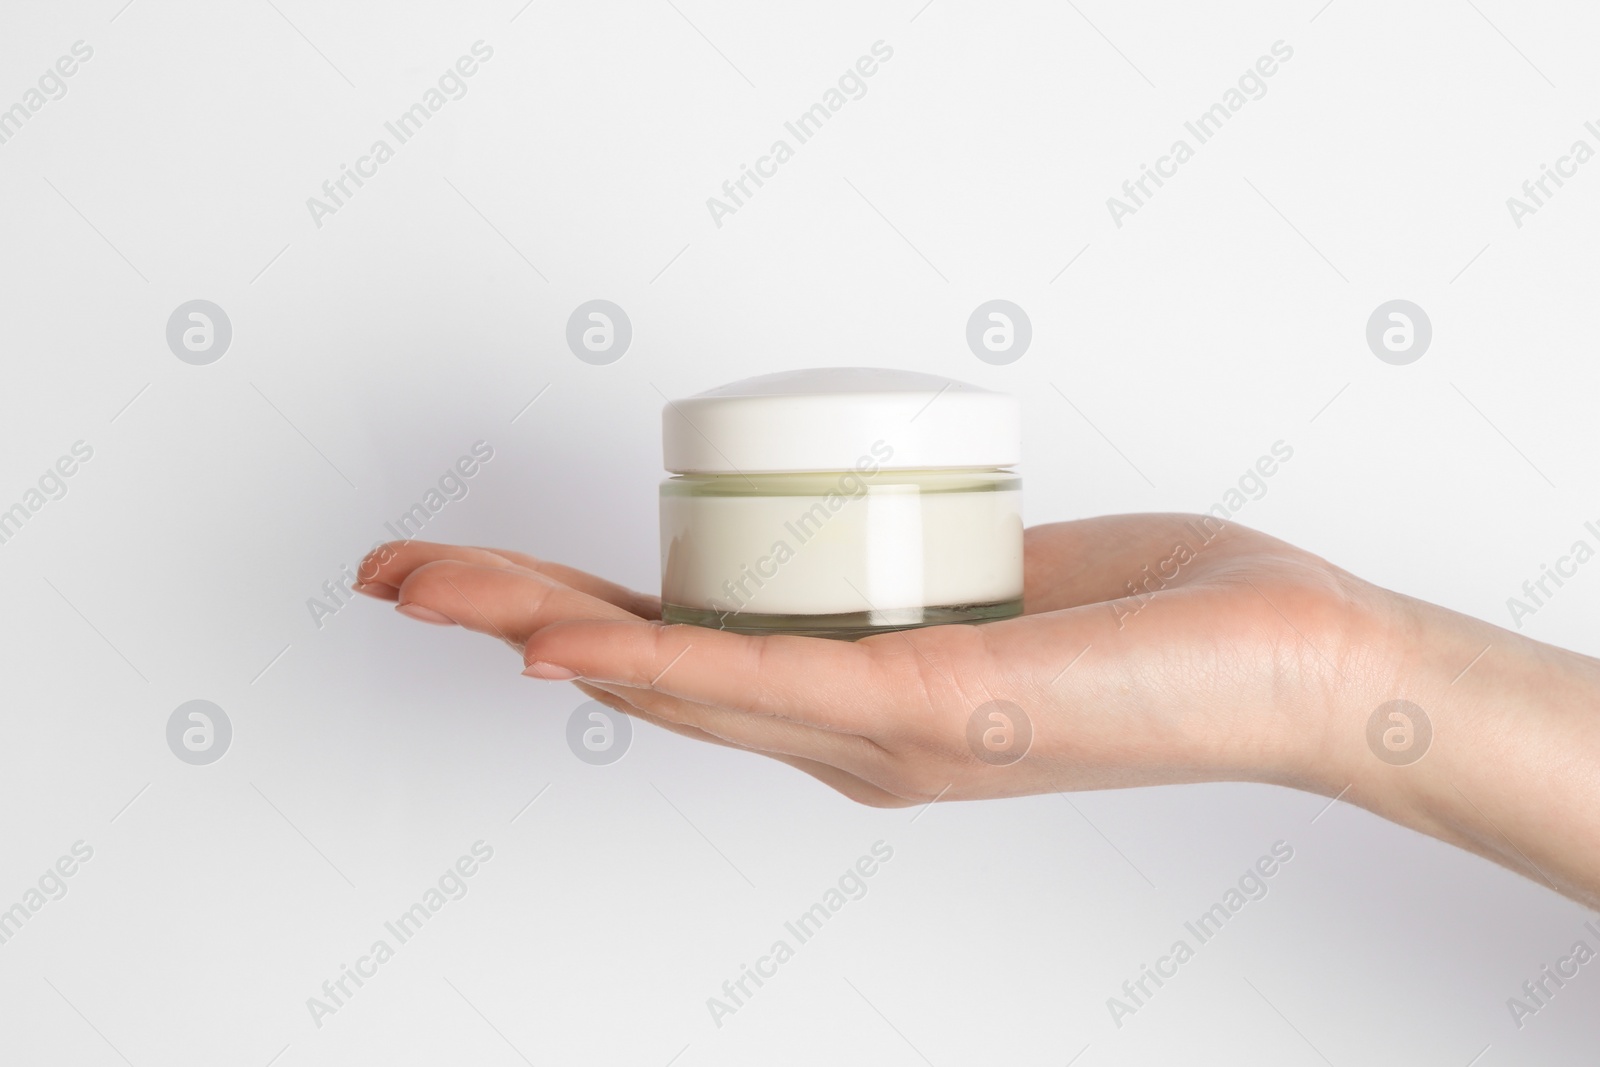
(848, 626)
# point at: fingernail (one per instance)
(376, 590)
(549, 671)
(422, 614)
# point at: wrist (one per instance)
(1358, 653)
(1493, 749)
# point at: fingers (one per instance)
(512, 603)
(644, 605)
(834, 685)
(768, 734)
(385, 568)
(624, 700)
(388, 566)
(504, 601)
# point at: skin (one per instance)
(1243, 659)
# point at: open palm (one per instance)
(1153, 648)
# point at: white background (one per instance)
(372, 351)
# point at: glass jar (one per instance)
(841, 502)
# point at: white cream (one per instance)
(892, 547)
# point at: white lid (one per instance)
(830, 419)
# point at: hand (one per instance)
(1153, 649)
(1225, 669)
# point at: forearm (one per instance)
(1512, 770)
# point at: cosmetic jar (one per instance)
(841, 502)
